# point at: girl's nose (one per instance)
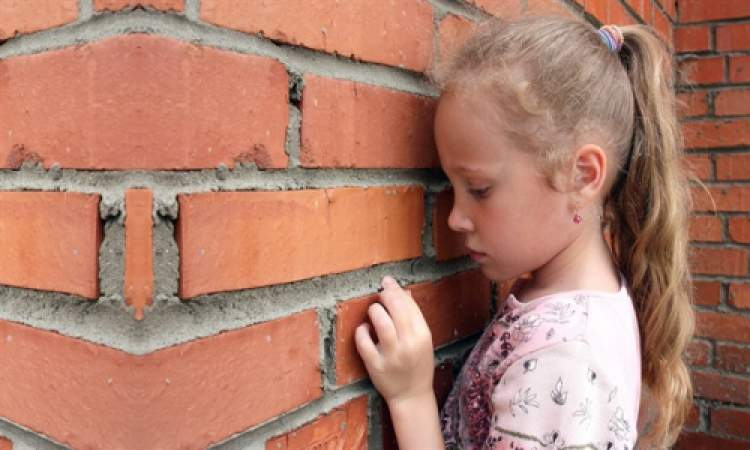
(458, 221)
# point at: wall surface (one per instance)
(198, 200)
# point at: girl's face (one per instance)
(512, 221)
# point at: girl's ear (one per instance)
(589, 172)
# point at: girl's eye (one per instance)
(479, 193)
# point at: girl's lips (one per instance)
(476, 256)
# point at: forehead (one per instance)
(467, 135)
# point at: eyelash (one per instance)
(479, 193)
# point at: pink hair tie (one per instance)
(612, 37)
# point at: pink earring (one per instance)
(577, 218)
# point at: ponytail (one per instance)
(647, 211)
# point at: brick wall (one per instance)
(198, 200)
(712, 41)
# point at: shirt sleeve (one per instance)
(558, 397)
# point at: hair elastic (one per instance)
(612, 37)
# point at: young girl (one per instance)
(563, 148)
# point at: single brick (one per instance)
(693, 104)
(733, 167)
(727, 198)
(739, 229)
(187, 396)
(115, 5)
(730, 421)
(707, 293)
(739, 69)
(733, 358)
(728, 103)
(5, 443)
(699, 10)
(448, 243)
(663, 27)
(598, 9)
(50, 241)
(693, 419)
(397, 32)
(453, 32)
(699, 352)
(238, 240)
(130, 102)
(733, 37)
(719, 261)
(343, 428)
(692, 39)
(724, 326)
(705, 228)
(722, 387)
(349, 124)
(21, 17)
(704, 70)
(699, 165)
(454, 307)
(739, 295)
(711, 133)
(544, 7)
(139, 273)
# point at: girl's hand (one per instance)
(401, 365)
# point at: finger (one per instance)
(366, 348)
(395, 300)
(384, 327)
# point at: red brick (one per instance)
(730, 103)
(693, 420)
(599, 9)
(115, 5)
(719, 261)
(739, 69)
(731, 421)
(500, 8)
(343, 428)
(454, 307)
(545, 7)
(705, 228)
(664, 28)
(733, 167)
(727, 198)
(710, 133)
(707, 293)
(699, 352)
(5, 443)
(693, 104)
(722, 387)
(706, 70)
(139, 274)
(50, 241)
(695, 441)
(239, 240)
(692, 39)
(349, 124)
(739, 295)
(398, 33)
(699, 165)
(21, 17)
(453, 32)
(670, 8)
(733, 358)
(702, 10)
(739, 229)
(190, 395)
(723, 326)
(733, 37)
(130, 102)
(448, 243)
(442, 383)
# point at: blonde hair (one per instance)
(560, 86)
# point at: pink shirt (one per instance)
(563, 370)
